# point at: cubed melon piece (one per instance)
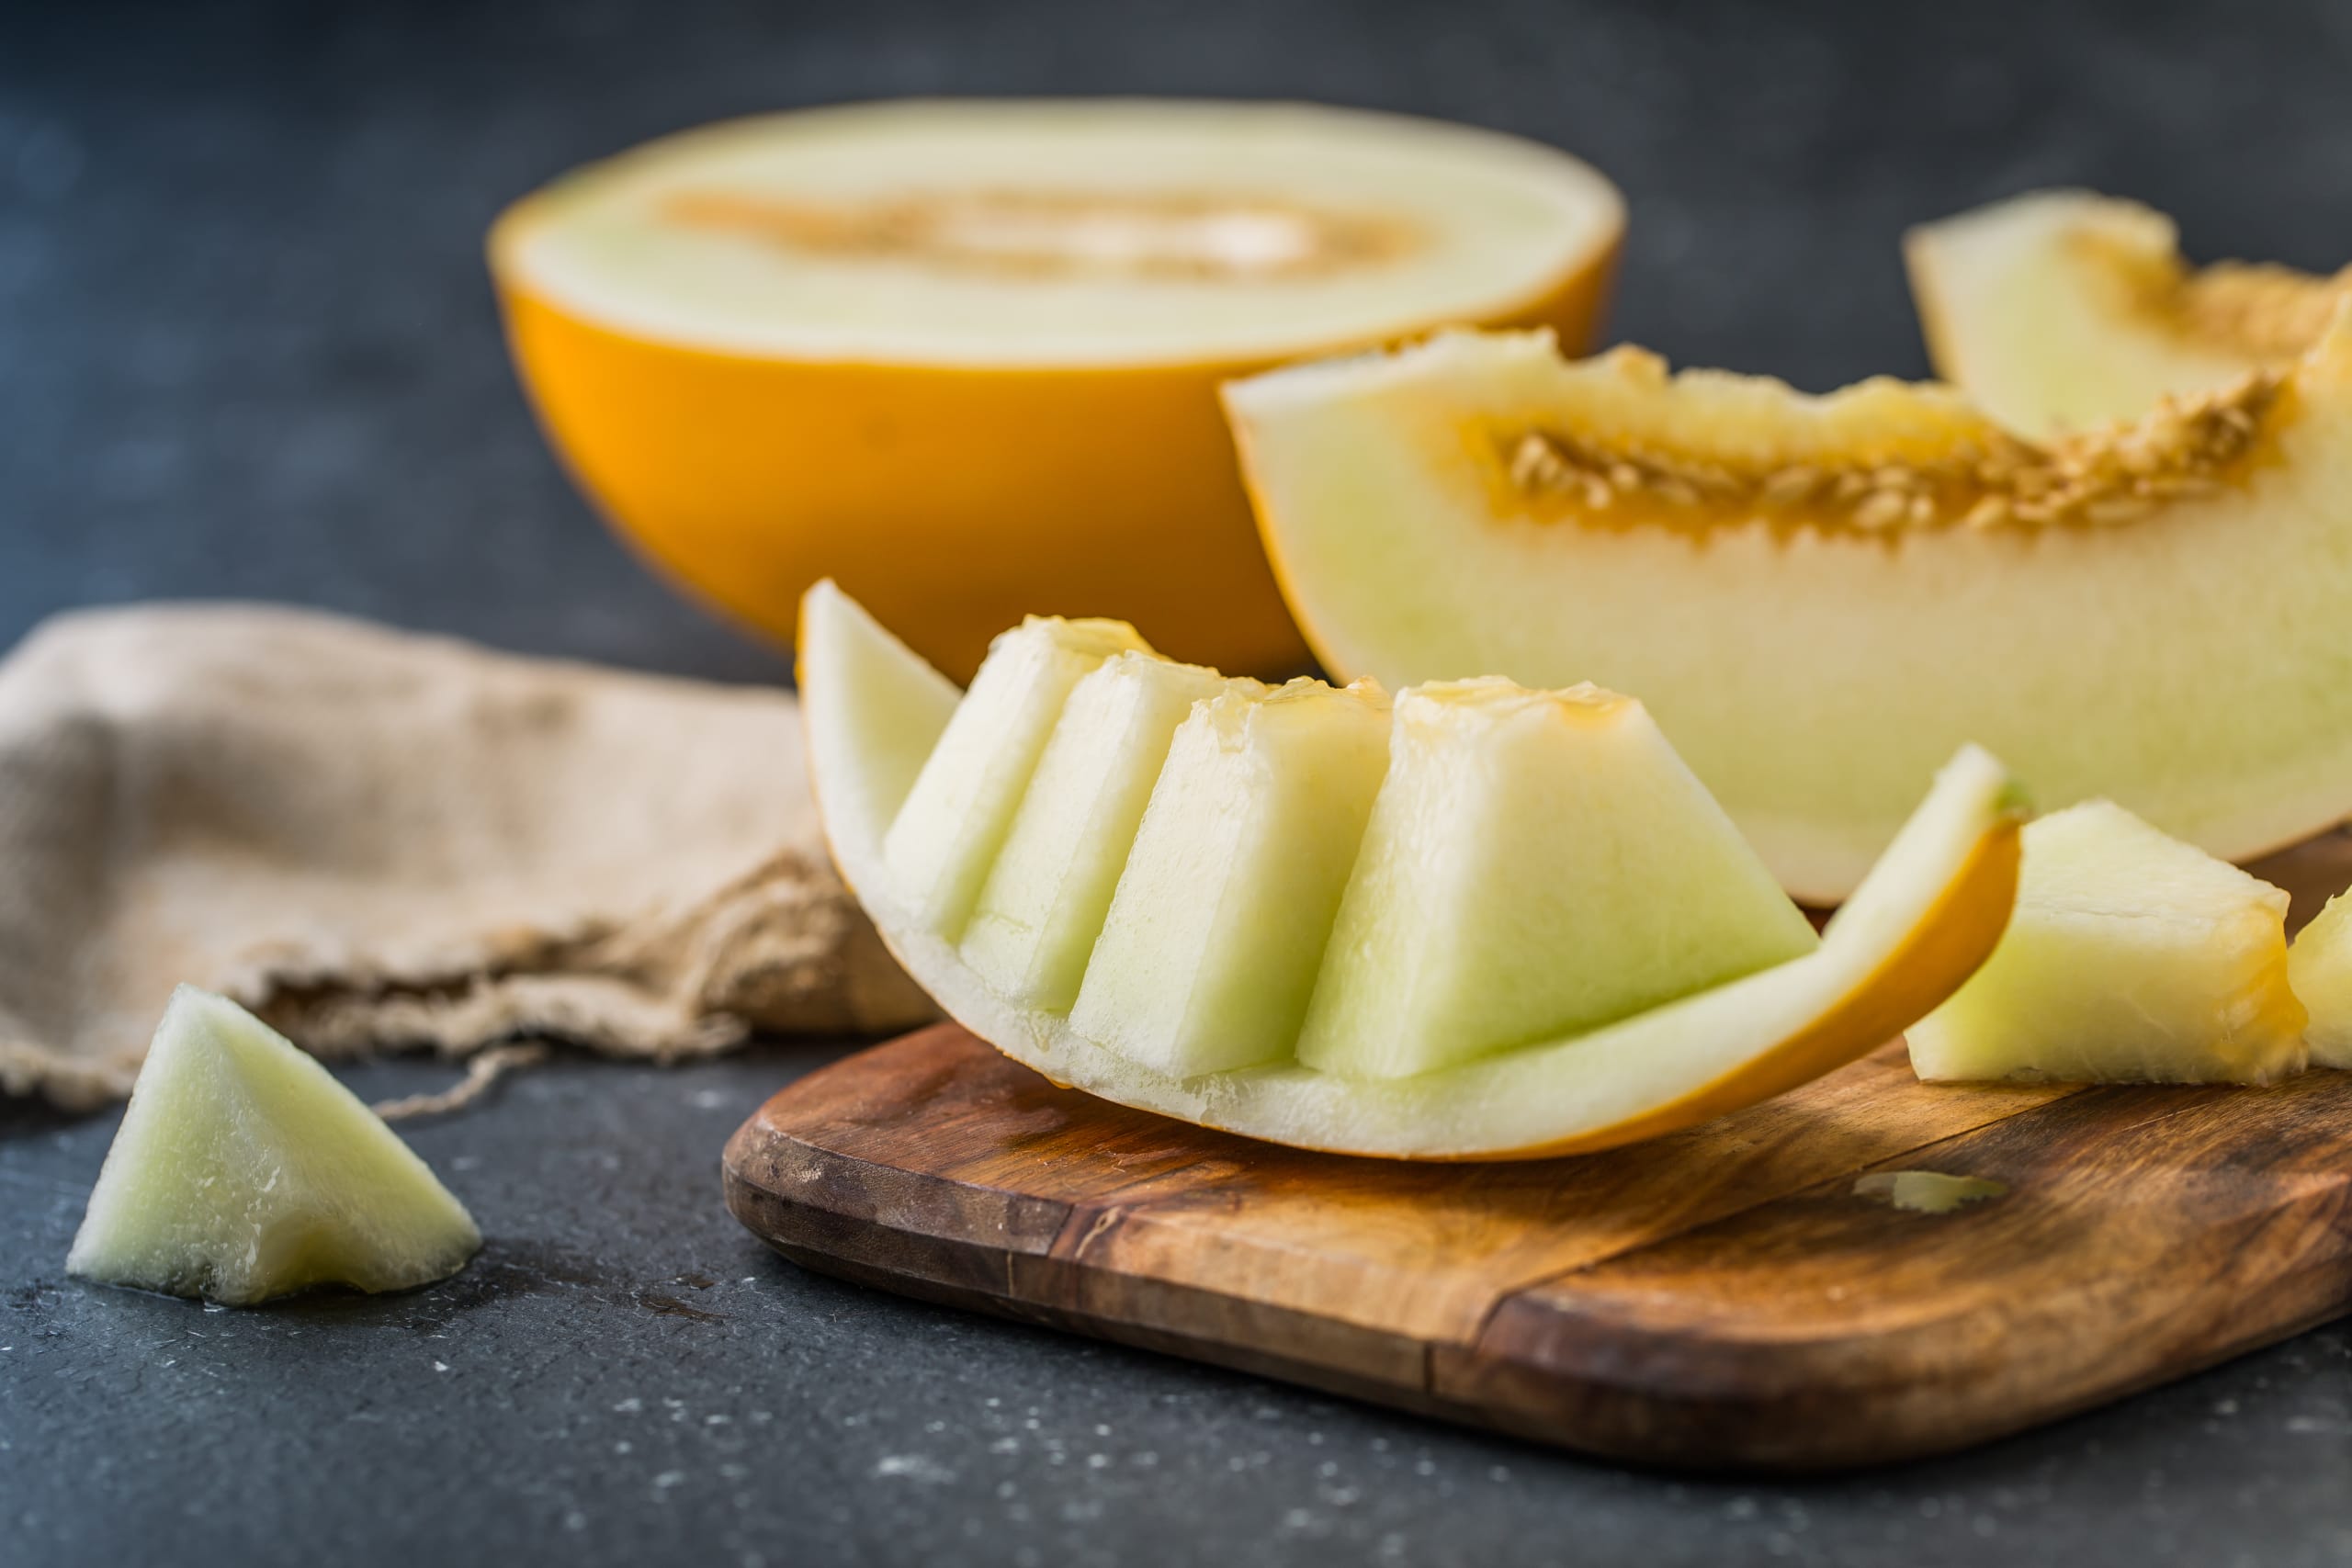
(2319, 967)
(1216, 930)
(1537, 863)
(242, 1170)
(2131, 958)
(1046, 897)
(946, 835)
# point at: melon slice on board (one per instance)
(1820, 597)
(2063, 310)
(963, 356)
(2131, 958)
(242, 1170)
(1216, 944)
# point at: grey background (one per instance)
(248, 348)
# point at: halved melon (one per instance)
(2131, 958)
(2064, 310)
(963, 356)
(1216, 947)
(1820, 597)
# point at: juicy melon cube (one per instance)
(2319, 967)
(946, 835)
(2131, 958)
(1045, 899)
(1537, 865)
(242, 1170)
(1209, 954)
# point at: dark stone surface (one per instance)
(246, 348)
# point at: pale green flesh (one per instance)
(947, 836)
(2319, 967)
(1505, 1105)
(242, 1170)
(1046, 896)
(1208, 957)
(2195, 665)
(2132, 957)
(1533, 867)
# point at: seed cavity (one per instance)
(2109, 477)
(1045, 233)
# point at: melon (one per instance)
(2319, 967)
(1820, 597)
(2061, 310)
(2131, 958)
(242, 1170)
(1576, 948)
(963, 356)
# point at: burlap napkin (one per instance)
(381, 839)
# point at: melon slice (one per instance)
(1207, 959)
(2063, 310)
(1226, 823)
(2319, 967)
(1820, 597)
(1047, 893)
(963, 356)
(242, 1170)
(2131, 958)
(1539, 863)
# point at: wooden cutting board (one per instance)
(1745, 1293)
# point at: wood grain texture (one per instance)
(1722, 1297)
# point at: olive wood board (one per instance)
(1723, 1297)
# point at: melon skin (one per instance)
(1928, 914)
(1537, 863)
(2193, 664)
(2131, 958)
(2319, 967)
(243, 1171)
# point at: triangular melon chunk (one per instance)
(2319, 967)
(1192, 1000)
(1046, 897)
(242, 1170)
(1539, 864)
(2131, 958)
(946, 835)
(2059, 310)
(1209, 956)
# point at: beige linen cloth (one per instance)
(379, 840)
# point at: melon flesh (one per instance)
(2063, 310)
(2319, 967)
(1208, 957)
(1538, 863)
(2131, 958)
(1819, 598)
(242, 1170)
(1047, 894)
(1240, 860)
(942, 844)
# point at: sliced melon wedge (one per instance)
(2063, 310)
(2131, 958)
(1820, 597)
(242, 1170)
(1228, 833)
